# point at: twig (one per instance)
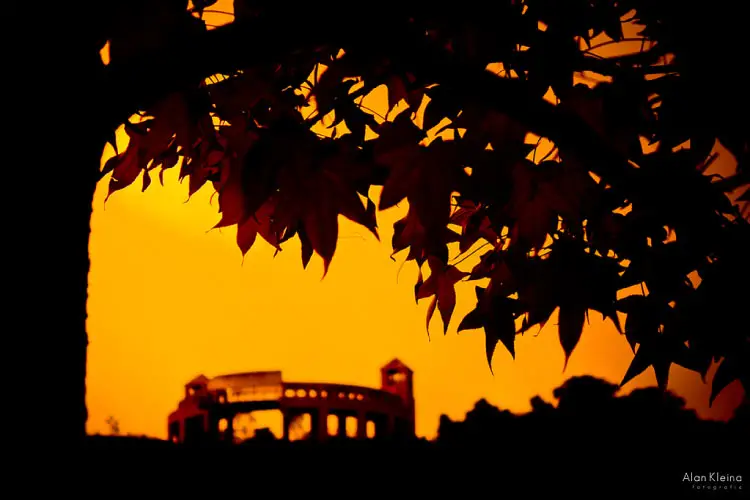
(549, 153)
(613, 42)
(214, 11)
(538, 142)
(470, 254)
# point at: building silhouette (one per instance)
(207, 412)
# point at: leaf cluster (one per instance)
(617, 216)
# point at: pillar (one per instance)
(342, 425)
(229, 433)
(390, 425)
(361, 425)
(286, 420)
(320, 424)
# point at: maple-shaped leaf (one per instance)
(334, 85)
(534, 217)
(466, 208)
(204, 165)
(569, 278)
(644, 317)
(409, 232)
(239, 136)
(444, 103)
(486, 126)
(231, 197)
(313, 181)
(166, 160)
(486, 265)
(426, 177)
(695, 358)
(658, 351)
(396, 91)
(491, 184)
(736, 366)
(356, 119)
(535, 220)
(663, 268)
(125, 167)
(494, 313)
(571, 319)
(441, 284)
(179, 125)
(317, 202)
(475, 225)
(599, 108)
(238, 94)
(258, 223)
(306, 247)
(181, 120)
(605, 230)
(229, 186)
(146, 180)
(568, 189)
(537, 292)
(598, 278)
(402, 132)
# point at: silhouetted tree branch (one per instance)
(604, 216)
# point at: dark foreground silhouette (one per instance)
(682, 91)
(590, 442)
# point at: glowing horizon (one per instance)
(170, 300)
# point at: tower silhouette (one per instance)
(398, 379)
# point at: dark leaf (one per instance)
(396, 92)
(306, 246)
(736, 366)
(146, 180)
(443, 104)
(660, 352)
(495, 314)
(234, 96)
(258, 223)
(427, 178)
(571, 320)
(418, 285)
(441, 283)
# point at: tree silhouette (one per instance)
(114, 426)
(609, 433)
(590, 440)
(617, 198)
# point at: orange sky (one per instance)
(170, 300)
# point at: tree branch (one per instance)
(136, 85)
(131, 86)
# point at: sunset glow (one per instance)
(170, 299)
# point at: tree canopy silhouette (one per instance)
(617, 197)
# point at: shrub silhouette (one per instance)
(589, 439)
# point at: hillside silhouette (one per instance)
(589, 439)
